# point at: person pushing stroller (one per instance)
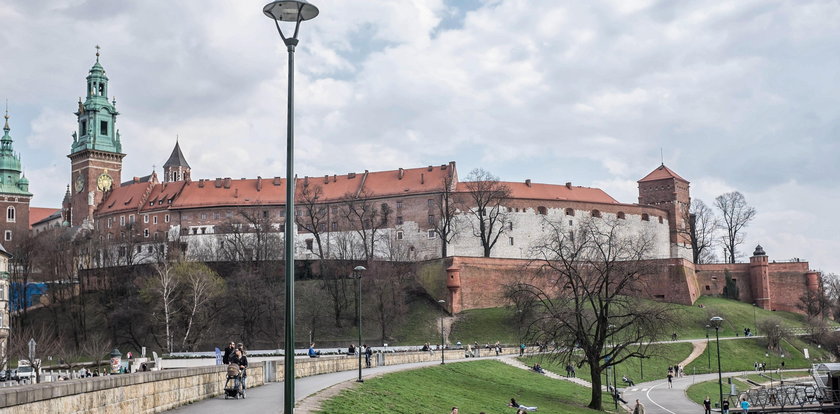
(237, 372)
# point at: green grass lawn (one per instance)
(471, 386)
(655, 367)
(736, 315)
(699, 391)
(486, 326)
(741, 354)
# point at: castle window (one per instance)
(84, 127)
(154, 219)
(708, 288)
(431, 219)
(660, 219)
(103, 127)
(645, 217)
(204, 216)
(510, 226)
(174, 175)
(145, 218)
(511, 240)
(10, 214)
(399, 205)
(571, 223)
(265, 213)
(8, 235)
(149, 249)
(570, 212)
(204, 230)
(216, 215)
(195, 230)
(542, 210)
(430, 202)
(399, 220)
(620, 215)
(431, 234)
(122, 220)
(157, 235)
(596, 213)
(146, 233)
(309, 244)
(399, 235)
(334, 226)
(131, 218)
(166, 218)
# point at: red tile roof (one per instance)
(662, 173)
(37, 214)
(536, 191)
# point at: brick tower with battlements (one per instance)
(666, 189)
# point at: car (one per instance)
(4, 374)
(25, 373)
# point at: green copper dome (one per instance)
(11, 181)
(96, 116)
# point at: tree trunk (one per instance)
(596, 403)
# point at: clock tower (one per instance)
(96, 153)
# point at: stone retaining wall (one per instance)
(157, 391)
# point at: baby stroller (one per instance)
(233, 383)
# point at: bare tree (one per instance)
(387, 286)
(334, 283)
(367, 217)
(701, 230)
(484, 202)
(201, 285)
(446, 227)
(736, 214)
(586, 296)
(161, 289)
(772, 329)
(313, 215)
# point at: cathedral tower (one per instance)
(176, 167)
(96, 153)
(14, 193)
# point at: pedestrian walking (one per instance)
(745, 406)
(368, 354)
(639, 408)
(725, 407)
(670, 379)
(707, 405)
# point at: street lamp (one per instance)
(290, 11)
(755, 325)
(358, 271)
(442, 361)
(716, 323)
(615, 372)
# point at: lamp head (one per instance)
(441, 301)
(290, 10)
(716, 322)
(359, 269)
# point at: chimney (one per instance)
(259, 183)
(422, 178)
(528, 182)
(136, 179)
(201, 183)
(305, 180)
(326, 179)
(236, 192)
(569, 185)
(401, 173)
(227, 182)
(218, 182)
(443, 166)
(351, 176)
(430, 168)
(335, 178)
(276, 181)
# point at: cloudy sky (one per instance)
(737, 95)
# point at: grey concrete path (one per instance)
(659, 399)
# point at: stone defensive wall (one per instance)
(478, 282)
(157, 391)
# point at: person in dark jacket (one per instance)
(368, 354)
(228, 352)
(240, 359)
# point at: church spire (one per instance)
(176, 167)
(96, 116)
(11, 181)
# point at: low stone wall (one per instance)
(142, 392)
(157, 391)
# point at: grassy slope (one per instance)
(656, 367)
(471, 386)
(736, 315)
(740, 355)
(485, 326)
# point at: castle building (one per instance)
(375, 215)
(14, 192)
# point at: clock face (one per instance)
(103, 183)
(80, 183)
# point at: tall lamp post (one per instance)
(615, 372)
(755, 324)
(358, 271)
(290, 11)
(716, 322)
(442, 343)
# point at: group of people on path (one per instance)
(235, 354)
(351, 350)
